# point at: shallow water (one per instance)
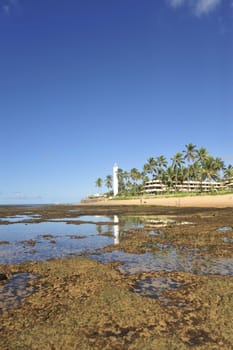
(12, 219)
(85, 218)
(225, 228)
(227, 240)
(56, 239)
(22, 231)
(155, 287)
(13, 292)
(168, 259)
(53, 239)
(48, 240)
(56, 247)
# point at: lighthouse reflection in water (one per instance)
(116, 229)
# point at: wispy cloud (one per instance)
(8, 7)
(176, 3)
(20, 196)
(198, 7)
(205, 6)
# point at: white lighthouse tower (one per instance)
(115, 180)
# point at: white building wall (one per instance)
(115, 180)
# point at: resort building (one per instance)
(229, 183)
(156, 186)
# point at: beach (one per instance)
(202, 201)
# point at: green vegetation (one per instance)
(171, 195)
(191, 164)
(99, 182)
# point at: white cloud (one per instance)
(176, 3)
(6, 9)
(198, 7)
(9, 6)
(205, 6)
(21, 196)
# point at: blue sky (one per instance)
(87, 83)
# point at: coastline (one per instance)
(203, 201)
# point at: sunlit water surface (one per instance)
(168, 259)
(15, 290)
(56, 238)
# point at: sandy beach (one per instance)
(204, 201)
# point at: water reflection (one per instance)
(85, 218)
(57, 247)
(168, 259)
(155, 287)
(225, 228)
(116, 229)
(227, 240)
(17, 218)
(56, 239)
(95, 218)
(22, 231)
(45, 240)
(15, 290)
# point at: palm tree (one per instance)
(202, 155)
(145, 176)
(121, 185)
(210, 169)
(146, 170)
(161, 165)
(126, 181)
(220, 166)
(177, 161)
(195, 172)
(228, 175)
(135, 175)
(169, 177)
(183, 174)
(99, 182)
(228, 172)
(108, 181)
(199, 166)
(190, 154)
(149, 167)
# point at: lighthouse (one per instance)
(115, 179)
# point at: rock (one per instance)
(3, 277)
